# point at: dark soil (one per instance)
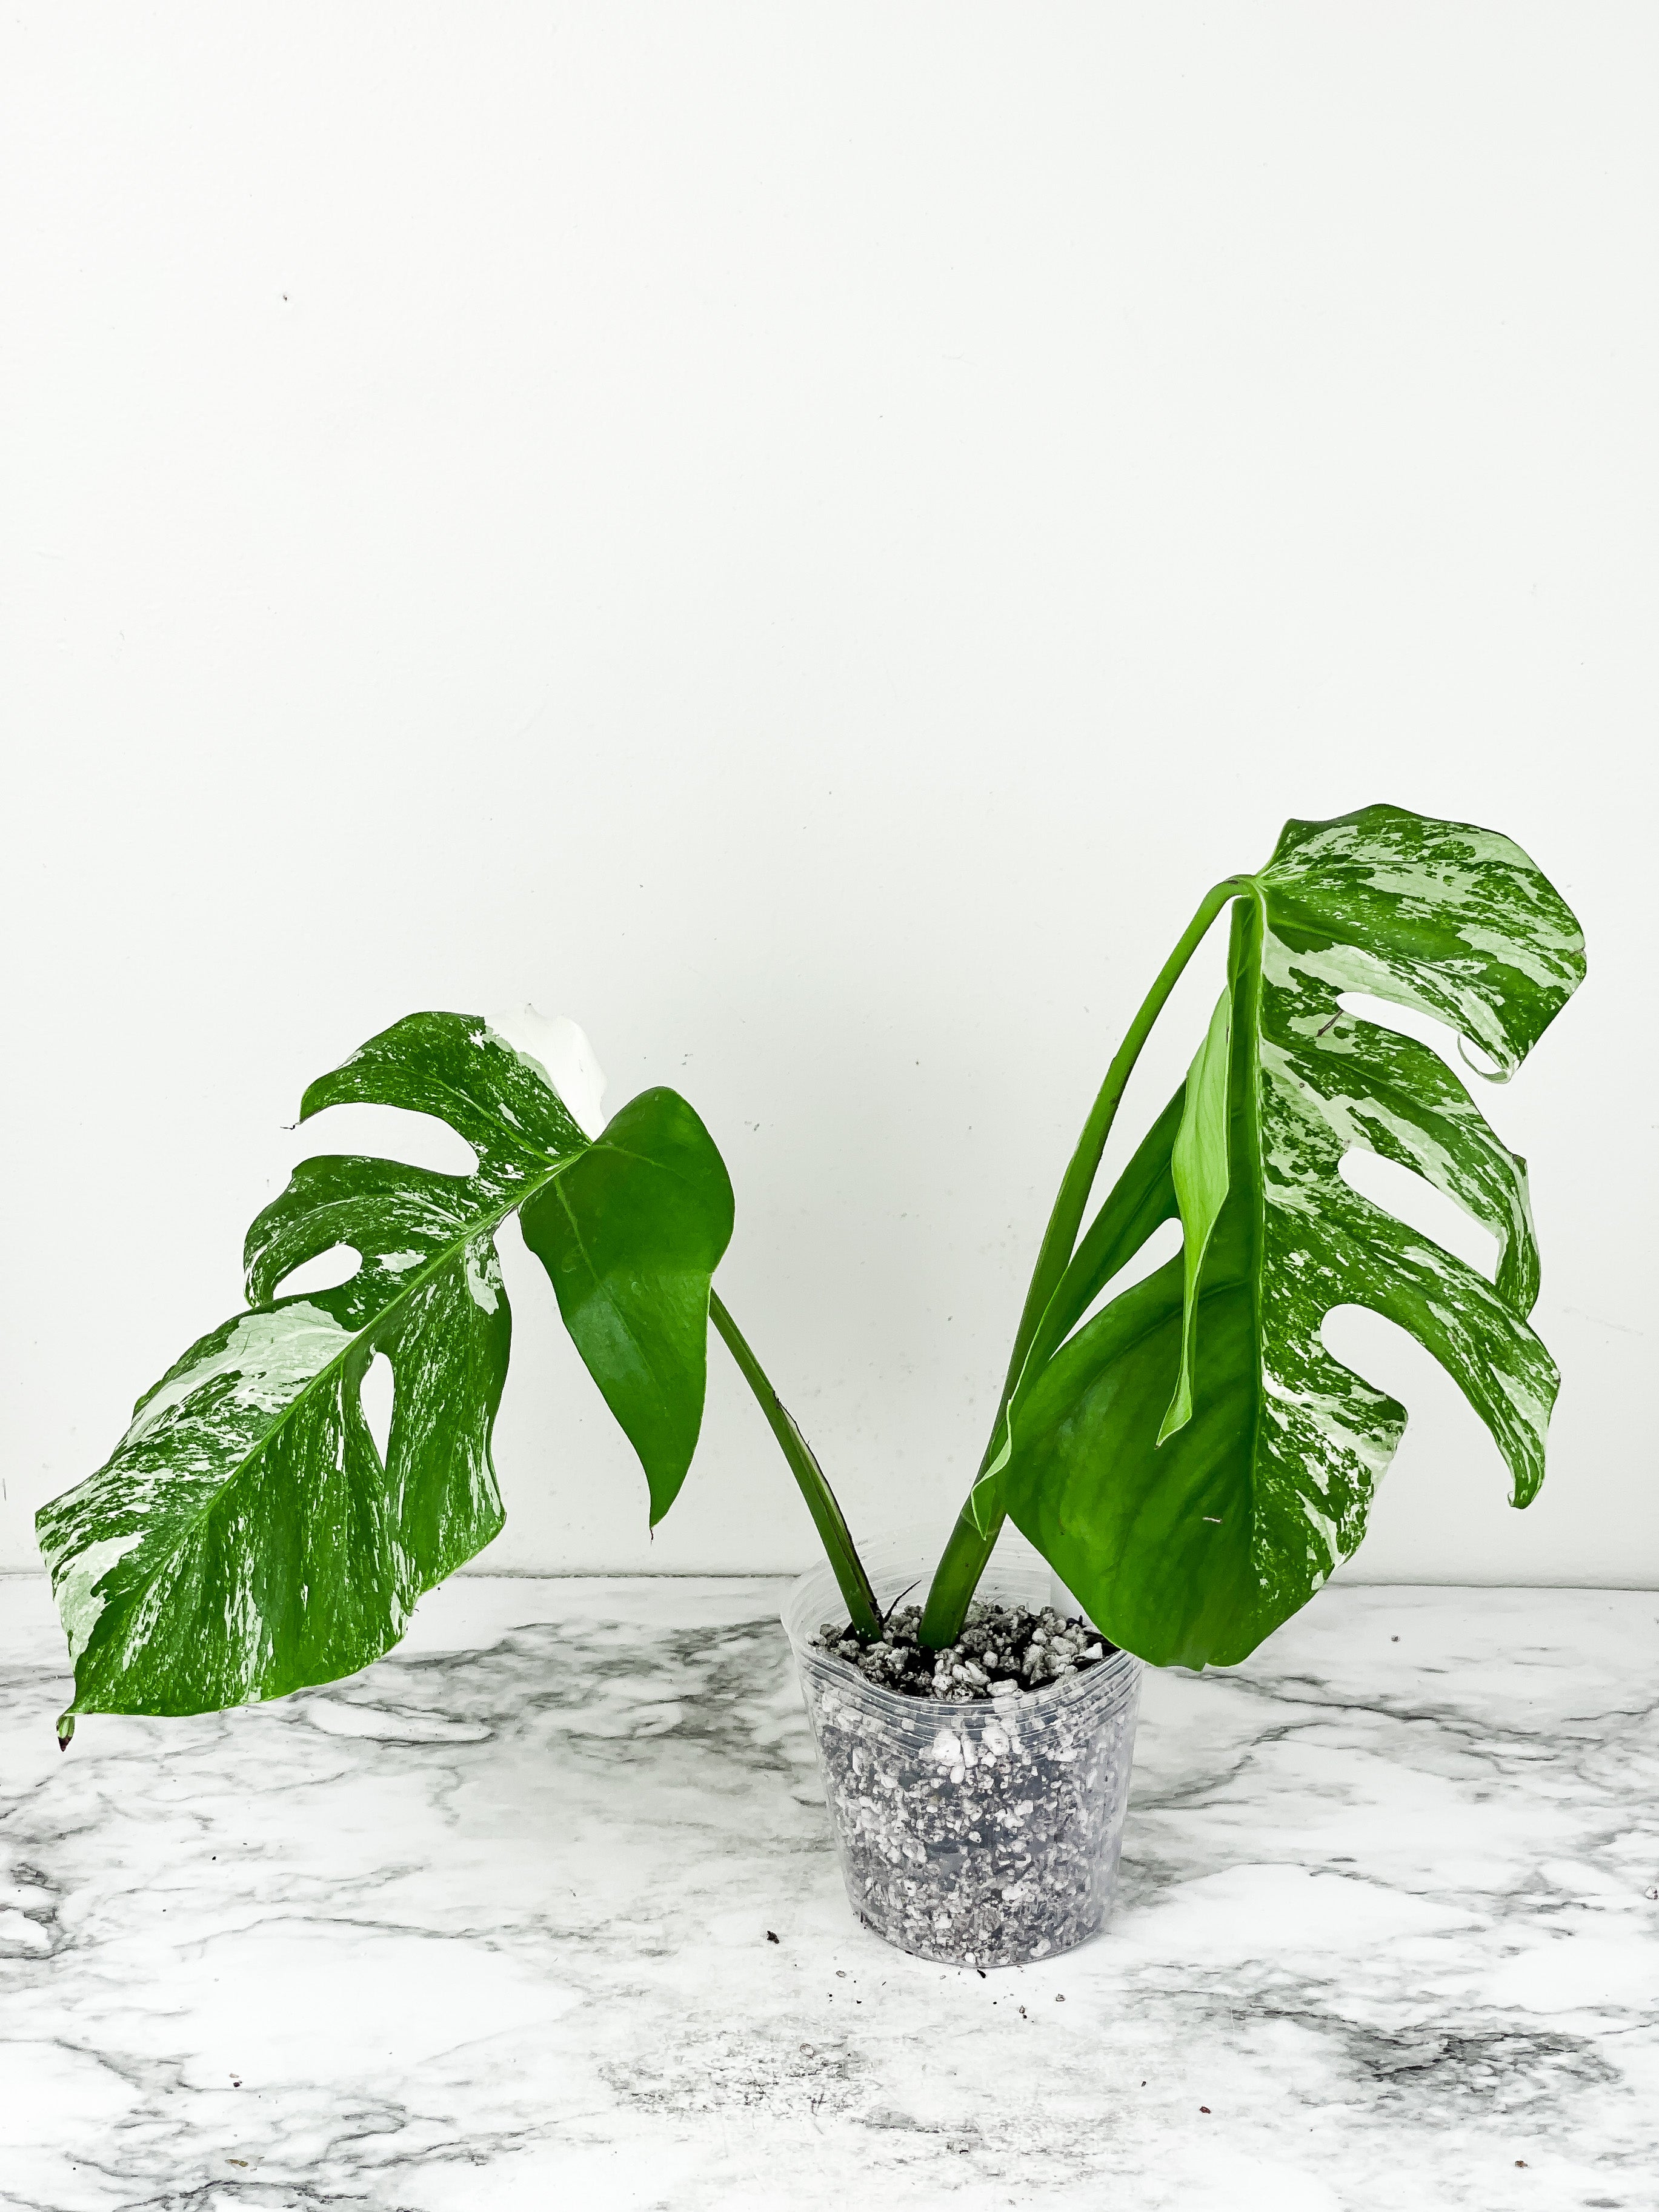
(1003, 1649)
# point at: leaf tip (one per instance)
(1180, 1412)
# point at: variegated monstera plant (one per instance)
(1191, 1458)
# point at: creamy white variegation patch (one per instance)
(558, 1049)
(271, 1355)
(483, 1277)
(79, 1602)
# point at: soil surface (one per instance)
(1002, 1649)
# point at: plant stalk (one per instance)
(827, 1516)
(964, 1560)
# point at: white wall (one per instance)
(805, 538)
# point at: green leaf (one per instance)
(1141, 1199)
(630, 1237)
(1199, 1170)
(245, 1537)
(1193, 1551)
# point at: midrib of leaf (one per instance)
(1259, 1195)
(440, 1260)
(598, 1280)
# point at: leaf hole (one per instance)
(326, 1271)
(1411, 1198)
(1441, 1483)
(1161, 1247)
(378, 1392)
(391, 1133)
(1410, 1021)
(1459, 1052)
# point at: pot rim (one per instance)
(1117, 1673)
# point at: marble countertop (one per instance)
(486, 1928)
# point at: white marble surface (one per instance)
(486, 1928)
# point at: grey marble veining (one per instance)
(486, 1927)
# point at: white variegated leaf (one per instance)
(247, 1536)
(1194, 1548)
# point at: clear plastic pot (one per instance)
(980, 1833)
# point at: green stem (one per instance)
(827, 1516)
(965, 1557)
(956, 1578)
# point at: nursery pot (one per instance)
(981, 1834)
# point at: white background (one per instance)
(805, 538)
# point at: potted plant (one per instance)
(1187, 1457)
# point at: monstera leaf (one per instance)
(630, 1239)
(246, 1537)
(1193, 1462)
